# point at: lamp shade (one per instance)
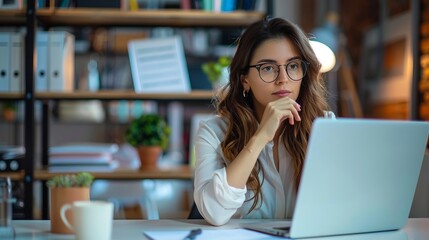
(324, 54)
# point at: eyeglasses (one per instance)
(268, 72)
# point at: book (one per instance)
(86, 156)
(112, 166)
(11, 152)
(80, 158)
(85, 148)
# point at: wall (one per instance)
(289, 9)
(423, 109)
(355, 19)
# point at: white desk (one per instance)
(415, 229)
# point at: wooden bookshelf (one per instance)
(12, 17)
(117, 17)
(179, 172)
(100, 17)
(124, 95)
(14, 176)
(11, 96)
(159, 17)
(112, 95)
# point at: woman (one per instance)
(249, 157)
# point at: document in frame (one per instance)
(158, 65)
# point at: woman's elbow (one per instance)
(213, 217)
(216, 221)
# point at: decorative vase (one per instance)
(149, 156)
(59, 197)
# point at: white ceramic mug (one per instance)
(92, 219)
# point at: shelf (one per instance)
(124, 95)
(14, 176)
(112, 95)
(116, 17)
(163, 17)
(11, 96)
(179, 172)
(12, 17)
(95, 17)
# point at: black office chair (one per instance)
(195, 214)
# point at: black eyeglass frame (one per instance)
(258, 67)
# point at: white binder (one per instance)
(41, 84)
(5, 62)
(61, 61)
(16, 62)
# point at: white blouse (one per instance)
(218, 202)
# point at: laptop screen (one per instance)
(359, 176)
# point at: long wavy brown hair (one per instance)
(239, 110)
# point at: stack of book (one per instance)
(89, 157)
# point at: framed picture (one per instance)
(159, 65)
(387, 62)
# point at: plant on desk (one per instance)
(149, 135)
(65, 189)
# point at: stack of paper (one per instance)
(91, 157)
(146, 58)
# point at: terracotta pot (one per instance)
(149, 156)
(9, 115)
(59, 197)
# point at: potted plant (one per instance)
(217, 72)
(65, 189)
(149, 135)
(9, 111)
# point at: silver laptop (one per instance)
(359, 176)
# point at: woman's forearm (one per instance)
(238, 171)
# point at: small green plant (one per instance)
(82, 179)
(213, 70)
(148, 130)
(9, 105)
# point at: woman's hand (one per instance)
(275, 113)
